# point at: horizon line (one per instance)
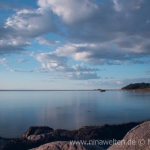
(53, 89)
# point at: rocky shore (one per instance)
(142, 90)
(37, 136)
(138, 90)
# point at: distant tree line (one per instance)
(137, 86)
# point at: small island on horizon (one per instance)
(139, 87)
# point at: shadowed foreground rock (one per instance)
(136, 139)
(37, 130)
(66, 146)
(37, 136)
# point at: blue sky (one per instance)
(74, 44)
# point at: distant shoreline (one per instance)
(64, 90)
(138, 90)
(47, 90)
(137, 87)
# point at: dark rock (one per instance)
(36, 136)
(2, 142)
(105, 132)
(35, 130)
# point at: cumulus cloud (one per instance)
(118, 32)
(30, 23)
(111, 32)
(24, 25)
(107, 24)
(105, 53)
(102, 32)
(51, 62)
(12, 46)
(71, 11)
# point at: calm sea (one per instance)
(69, 109)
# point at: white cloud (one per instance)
(52, 63)
(12, 46)
(82, 76)
(111, 32)
(30, 23)
(93, 29)
(19, 70)
(118, 52)
(81, 67)
(120, 36)
(25, 25)
(66, 50)
(71, 11)
(48, 42)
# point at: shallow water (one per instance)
(69, 109)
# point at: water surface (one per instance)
(69, 109)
